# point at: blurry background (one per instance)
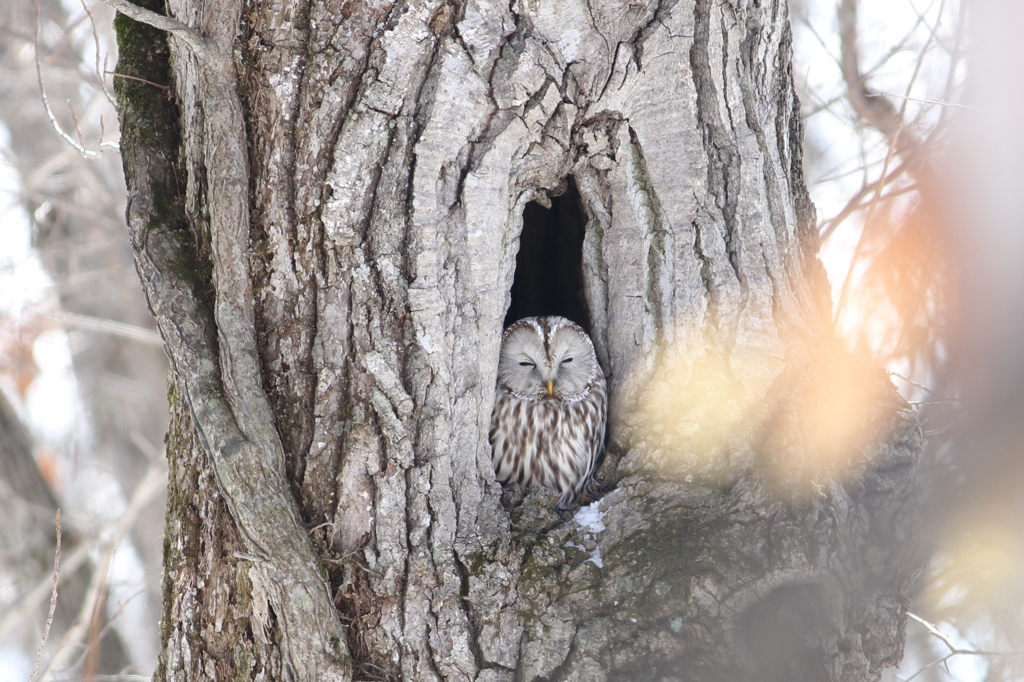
(82, 409)
(914, 157)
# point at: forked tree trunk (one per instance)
(327, 229)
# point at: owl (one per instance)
(550, 407)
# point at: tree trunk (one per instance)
(327, 227)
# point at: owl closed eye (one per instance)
(550, 410)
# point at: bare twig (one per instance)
(141, 80)
(79, 630)
(926, 100)
(53, 605)
(924, 388)
(151, 452)
(152, 482)
(878, 64)
(103, 130)
(65, 37)
(932, 630)
(95, 324)
(953, 649)
(70, 207)
(123, 677)
(96, 627)
(856, 201)
(96, 44)
(95, 640)
(80, 148)
(74, 119)
(876, 111)
(880, 114)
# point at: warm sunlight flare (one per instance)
(825, 422)
(817, 426)
(696, 414)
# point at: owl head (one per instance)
(547, 358)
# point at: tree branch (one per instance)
(199, 45)
(112, 327)
(872, 108)
(212, 344)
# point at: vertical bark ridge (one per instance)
(339, 58)
(723, 171)
(284, 269)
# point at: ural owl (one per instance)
(549, 414)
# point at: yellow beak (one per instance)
(551, 387)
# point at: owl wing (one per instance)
(590, 429)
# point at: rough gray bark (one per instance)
(331, 279)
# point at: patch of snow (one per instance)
(589, 520)
(589, 517)
(595, 557)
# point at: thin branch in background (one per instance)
(881, 116)
(862, 240)
(120, 329)
(76, 634)
(955, 57)
(917, 384)
(154, 482)
(856, 204)
(151, 452)
(96, 43)
(53, 605)
(933, 630)
(96, 628)
(65, 37)
(835, 174)
(105, 678)
(954, 650)
(141, 80)
(925, 100)
(97, 638)
(805, 20)
(80, 148)
(71, 208)
(856, 201)
(893, 51)
(74, 119)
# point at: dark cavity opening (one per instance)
(549, 265)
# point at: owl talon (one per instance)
(591, 492)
